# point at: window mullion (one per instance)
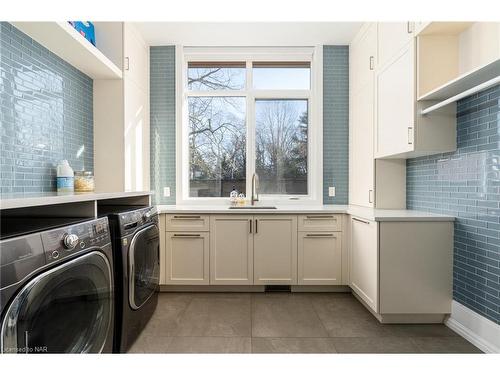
(250, 163)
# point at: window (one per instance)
(281, 146)
(217, 145)
(249, 111)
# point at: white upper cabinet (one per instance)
(395, 96)
(136, 57)
(401, 131)
(392, 38)
(363, 56)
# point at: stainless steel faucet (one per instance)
(255, 185)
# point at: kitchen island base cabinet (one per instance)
(187, 258)
(275, 250)
(319, 258)
(402, 271)
(231, 250)
(416, 261)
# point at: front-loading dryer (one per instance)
(57, 288)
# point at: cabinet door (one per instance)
(363, 57)
(392, 37)
(319, 258)
(275, 250)
(187, 258)
(136, 137)
(362, 159)
(231, 250)
(136, 55)
(364, 261)
(395, 100)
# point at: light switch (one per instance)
(166, 191)
(331, 191)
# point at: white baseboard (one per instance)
(475, 328)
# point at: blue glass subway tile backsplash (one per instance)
(466, 184)
(336, 123)
(46, 114)
(162, 122)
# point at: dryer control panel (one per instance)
(67, 241)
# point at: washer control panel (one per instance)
(66, 241)
(132, 220)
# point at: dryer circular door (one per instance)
(144, 265)
(66, 309)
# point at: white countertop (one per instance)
(362, 212)
(42, 199)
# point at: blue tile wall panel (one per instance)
(466, 184)
(162, 120)
(336, 123)
(46, 114)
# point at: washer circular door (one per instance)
(66, 309)
(144, 265)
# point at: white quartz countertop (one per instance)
(44, 199)
(362, 212)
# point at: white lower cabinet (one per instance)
(319, 258)
(363, 265)
(187, 258)
(231, 250)
(275, 250)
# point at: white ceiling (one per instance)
(248, 33)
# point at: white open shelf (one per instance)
(63, 40)
(467, 84)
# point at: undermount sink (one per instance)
(252, 208)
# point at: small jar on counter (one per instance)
(84, 181)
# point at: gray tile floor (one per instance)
(284, 323)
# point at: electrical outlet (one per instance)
(331, 191)
(166, 191)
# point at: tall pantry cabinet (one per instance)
(121, 116)
(373, 183)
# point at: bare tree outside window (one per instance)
(281, 146)
(217, 145)
(223, 76)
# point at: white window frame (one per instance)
(314, 95)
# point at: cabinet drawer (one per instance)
(187, 258)
(320, 258)
(187, 222)
(320, 222)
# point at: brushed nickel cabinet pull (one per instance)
(127, 63)
(188, 217)
(319, 235)
(250, 222)
(321, 217)
(372, 62)
(360, 221)
(187, 235)
(256, 228)
(408, 27)
(410, 138)
(370, 196)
